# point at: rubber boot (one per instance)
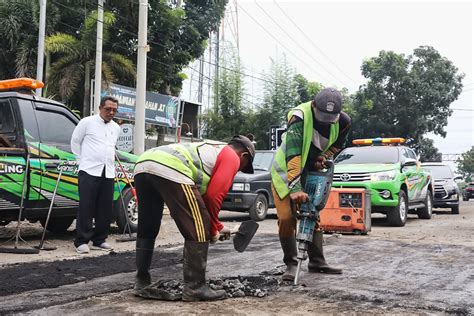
(317, 262)
(194, 273)
(144, 254)
(288, 244)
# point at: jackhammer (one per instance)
(318, 187)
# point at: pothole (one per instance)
(241, 286)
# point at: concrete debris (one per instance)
(255, 286)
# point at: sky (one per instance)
(328, 41)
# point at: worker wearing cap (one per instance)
(192, 179)
(316, 131)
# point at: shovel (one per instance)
(243, 234)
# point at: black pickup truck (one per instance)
(252, 193)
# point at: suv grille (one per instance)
(351, 177)
(440, 192)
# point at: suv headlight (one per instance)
(383, 176)
(241, 187)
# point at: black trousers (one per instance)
(184, 201)
(95, 202)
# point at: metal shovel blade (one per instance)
(244, 235)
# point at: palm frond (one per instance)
(66, 74)
(107, 74)
(62, 43)
(121, 66)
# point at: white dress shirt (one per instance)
(93, 143)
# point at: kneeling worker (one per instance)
(192, 179)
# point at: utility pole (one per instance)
(216, 75)
(209, 69)
(201, 77)
(98, 56)
(41, 35)
(140, 100)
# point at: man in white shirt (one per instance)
(93, 143)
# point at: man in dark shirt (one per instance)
(316, 131)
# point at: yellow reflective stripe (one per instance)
(192, 202)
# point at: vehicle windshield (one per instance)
(372, 154)
(440, 172)
(262, 160)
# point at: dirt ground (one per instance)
(423, 268)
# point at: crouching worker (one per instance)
(192, 179)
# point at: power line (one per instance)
(276, 39)
(296, 42)
(311, 41)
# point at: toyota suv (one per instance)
(35, 136)
(446, 190)
(393, 175)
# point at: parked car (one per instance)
(468, 192)
(392, 174)
(446, 190)
(35, 135)
(252, 193)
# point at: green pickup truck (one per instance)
(35, 135)
(391, 173)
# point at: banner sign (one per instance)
(159, 109)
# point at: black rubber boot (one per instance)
(317, 262)
(289, 257)
(144, 254)
(194, 273)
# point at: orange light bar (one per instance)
(366, 141)
(394, 140)
(20, 83)
(375, 141)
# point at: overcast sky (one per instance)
(327, 41)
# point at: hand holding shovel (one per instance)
(242, 234)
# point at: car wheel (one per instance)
(427, 211)
(258, 212)
(455, 209)
(397, 216)
(129, 213)
(57, 224)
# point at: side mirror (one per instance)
(409, 162)
(458, 178)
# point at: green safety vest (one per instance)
(279, 169)
(183, 158)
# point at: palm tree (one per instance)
(75, 58)
(18, 38)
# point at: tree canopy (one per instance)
(406, 96)
(176, 36)
(466, 164)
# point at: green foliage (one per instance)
(466, 164)
(306, 89)
(228, 116)
(280, 95)
(176, 37)
(75, 58)
(427, 151)
(405, 96)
